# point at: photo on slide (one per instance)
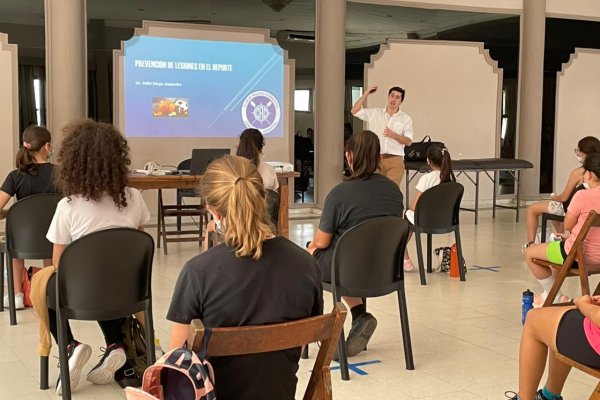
(170, 107)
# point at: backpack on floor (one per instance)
(134, 339)
(443, 256)
(178, 375)
(26, 278)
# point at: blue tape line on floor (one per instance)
(354, 366)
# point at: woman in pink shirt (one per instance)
(583, 201)
(571, 331)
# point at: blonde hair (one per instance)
(234, 187)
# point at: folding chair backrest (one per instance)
(592, 221)
(106, 273)
(438, 207)
(286, 335)
(273, 206)
(27, 224)
(367, 259)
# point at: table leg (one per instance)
(494, 195)
(283, 223)
(518, 190)
(407, 199)
(476, 197)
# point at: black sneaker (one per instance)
(540, 396)
(78, 354)
(360, 334)
(113, 358)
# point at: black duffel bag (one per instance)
(417, 151)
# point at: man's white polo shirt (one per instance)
(378, 119)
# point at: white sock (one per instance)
(547, 285)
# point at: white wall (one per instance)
(9, 109)
(173, 150)
(453, 92)
(577, 105)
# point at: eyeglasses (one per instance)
(576, 150)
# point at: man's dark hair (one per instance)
(397, 89)
(365, 149)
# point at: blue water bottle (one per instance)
(527, 304)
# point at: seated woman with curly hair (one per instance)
(92, 174)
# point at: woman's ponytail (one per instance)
(233, 186)
(439, 156)
(34, 138)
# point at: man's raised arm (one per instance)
(359, 103)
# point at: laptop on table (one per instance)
(202, 157)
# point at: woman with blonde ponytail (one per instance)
(253, 278)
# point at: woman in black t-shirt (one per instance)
(253, 278)
(32, 176)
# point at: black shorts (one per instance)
(324, 258)
(564, 254)
(572, 342)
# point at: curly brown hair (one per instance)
(92, 161)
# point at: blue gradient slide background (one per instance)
(215, 97)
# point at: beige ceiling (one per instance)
(367, 24)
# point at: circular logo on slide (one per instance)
(260, 110)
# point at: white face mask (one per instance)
(586, 185)
(579, 158)
(218, 225)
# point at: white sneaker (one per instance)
(19, 305)
(104, 372)
(78, 354)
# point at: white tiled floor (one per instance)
(465, 335)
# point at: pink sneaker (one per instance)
(408, 265)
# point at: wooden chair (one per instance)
(261, 339)
(576, 254)
(588, 370)
(178, 211)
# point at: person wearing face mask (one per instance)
(559, 203)
(32, 176)
(251, 145)
(253, 278)
(582, 202)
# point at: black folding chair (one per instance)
(273, 206)
(371, 268)
(548, 217)
(437, 212)
(103, 276)
(27, 224)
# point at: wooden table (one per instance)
(146, 182)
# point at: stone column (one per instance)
(531, 86)
(330, 65)
(66, 64)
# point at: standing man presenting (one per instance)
(393, 127)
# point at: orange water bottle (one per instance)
(454, 264)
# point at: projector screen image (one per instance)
(199, 88)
